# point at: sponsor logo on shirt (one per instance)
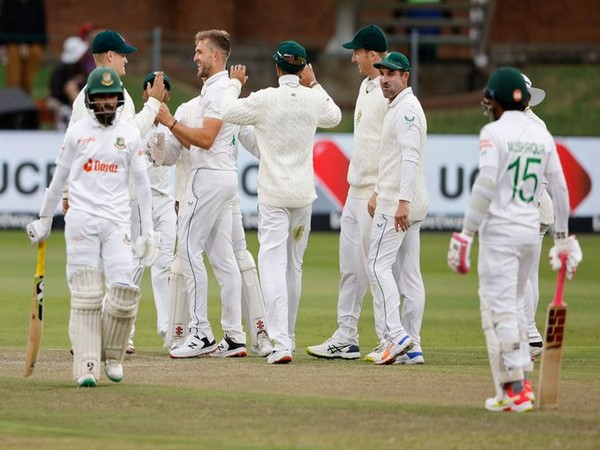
(86, 140)
(98, 166)
(409, 119)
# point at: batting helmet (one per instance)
(507, 86)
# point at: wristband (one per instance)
(174, 123)
(313, 83)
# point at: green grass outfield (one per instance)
(309, 404)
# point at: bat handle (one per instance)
(41, 257)
(560, 280)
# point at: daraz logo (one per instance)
(98, 166)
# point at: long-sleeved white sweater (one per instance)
(285, 120)
(402, 158)
(371, 107)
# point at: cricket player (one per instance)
(164, 221)
(99, 154)
(206, 217)
(253, 308)
(398, 206)
(368, 46)
(516, 152)
(285, 120)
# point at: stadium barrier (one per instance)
(27, 164)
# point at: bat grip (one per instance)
(41, 259)
(560, 280)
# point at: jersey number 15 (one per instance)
(521, 178)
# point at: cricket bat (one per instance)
(552, 350)
(37, 311)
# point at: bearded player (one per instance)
(98, 155)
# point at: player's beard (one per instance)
(106, 117)
(204, 70)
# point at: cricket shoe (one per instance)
(535, 349)
(194, 346)
(528, 386)
(228, 348)
(395, 349)
(411, 359)
(263, 346)
(87, 380)
(113, 370)
(280, 357)
(510, 401)
(377, 351)
(331, 349)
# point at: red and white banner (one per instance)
(27, 164)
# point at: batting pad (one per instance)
(85, 321)
(117, 319)
(253, 303)
(497, 348)
(179, 312)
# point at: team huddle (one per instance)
(120, 215)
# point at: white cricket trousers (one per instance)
(383, 253)
(164, 221)
(407, 273)
(94, 241)
(283, 237)
(503, 271)
(355, 236)
(206, 228)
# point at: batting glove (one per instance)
(458, 253)
(39, 230)
(573, 250)
(147, 248)
(156, 149)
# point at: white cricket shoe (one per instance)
(375, 355)
(280, 357)
(113, 370)
(228, 348)
(331, 349)
(395, 349)
(263, 345)
(87, 380)
(411, 359)
(194, 346)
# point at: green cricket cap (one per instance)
(109, 40)
(370, 37)
(394, 61)
(290, 56)
(150, 79)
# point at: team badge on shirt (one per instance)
(120, 143)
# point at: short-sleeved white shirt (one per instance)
(100, 160)
(223, 153)
(518, 149)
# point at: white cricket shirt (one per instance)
(519, 151)
(285, 120)
(100, 160)
(223, 153)
(371, 107)
(402, 158)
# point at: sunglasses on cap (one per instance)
(291, 59)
